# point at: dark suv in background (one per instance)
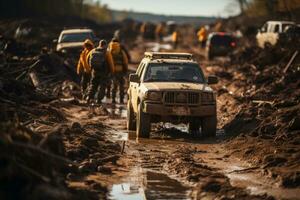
(220, 44)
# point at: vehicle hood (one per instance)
(69, 45)
(163, 86)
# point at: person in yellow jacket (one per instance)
(202, 36)
(83, 67)
(119, 67)
(175, 38)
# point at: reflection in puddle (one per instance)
(181, 127)
(126, 191)
(117, 111)
(119, 136)
(160, 186)
(140, 185)
(131, 188)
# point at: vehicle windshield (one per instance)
(286, 26)
(221, 40)
(174, 72)
(76, 37)
(292, 30)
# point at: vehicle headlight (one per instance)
(153, 96)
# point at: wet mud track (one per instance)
(175, 165)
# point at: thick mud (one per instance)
(93, 156)
(152, 173)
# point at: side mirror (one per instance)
(212, 80)
(55, 41)
(134, 78)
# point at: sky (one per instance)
(176, 7)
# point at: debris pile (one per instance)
(260, 102)
(25, 154)
(32, 166)
(42, 151)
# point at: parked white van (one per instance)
(268, 35)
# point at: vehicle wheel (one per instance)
(143, 124)
(131, 121)
(267, 45)
(209, 126)
(209, 56)
(194, 127)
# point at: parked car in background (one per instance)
(269, 34)
(291, 35)
(220, 44)
(171, 87)
(71, 40)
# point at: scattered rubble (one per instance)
(48, 151)
(259, 102)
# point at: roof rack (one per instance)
(75, 27)
(164, 55)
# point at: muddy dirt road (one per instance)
(174, 165)
(93, 156)
(170, 165)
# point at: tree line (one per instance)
(54, 8)
(269, 7)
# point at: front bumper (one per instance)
(179, 110)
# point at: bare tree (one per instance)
(242, 4)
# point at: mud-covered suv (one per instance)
(71, 40)
(171, 87)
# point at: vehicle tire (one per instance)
(194, 127)
(131, 120)
(209, 126)
(143, 125)
(209, 56)
(267, 45)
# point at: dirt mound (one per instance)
(44, 154)
(211, 184)
(25, 170)
(260, 102)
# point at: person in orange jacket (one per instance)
(119, 67)
(175, 38)
(83, 67)
(202, 36)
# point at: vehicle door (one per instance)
(275, 34)
(268, 34)
(134, 87)
(261, 35)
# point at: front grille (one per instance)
(207, 98)
(181, 98)
(193, 98)
(170, 97)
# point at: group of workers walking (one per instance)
(101, 66)
(107, 64)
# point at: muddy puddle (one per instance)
(117, 111)
(146, 184)
(145, 180)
